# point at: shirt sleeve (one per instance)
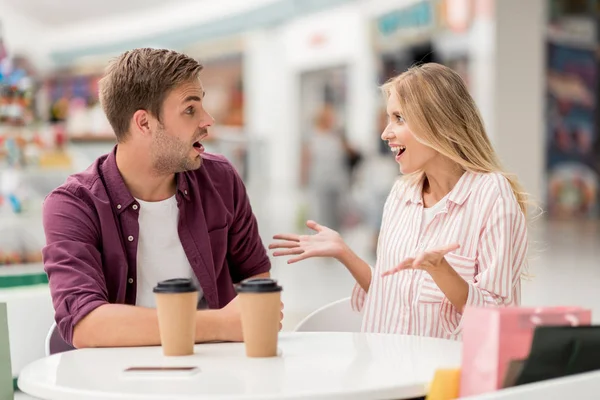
(501, 257)
(72, 260)
(247, 254)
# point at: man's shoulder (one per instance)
(216, 167)
(217, 176)
(212, 160)
(83, 183)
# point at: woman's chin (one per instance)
(405, 169)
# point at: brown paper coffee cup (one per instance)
(176, 302)
(260, 307)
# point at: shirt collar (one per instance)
(458, 195)
(118, 191)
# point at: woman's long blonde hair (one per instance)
(436, 104)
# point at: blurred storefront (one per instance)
(573, 145)
(270, 71)
(317, 73)
(421, 32)
(32, 161)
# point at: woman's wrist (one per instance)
(359, 269)
(343, 253)
(348, 257)
(441, 268)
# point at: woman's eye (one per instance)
(399, 119)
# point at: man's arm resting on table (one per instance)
(118, 325)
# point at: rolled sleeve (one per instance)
(246, 251)
(477, 297)
(72, 260)
(501, 258)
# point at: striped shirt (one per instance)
(481, 214)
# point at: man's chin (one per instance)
(194, 164)
(188, 166)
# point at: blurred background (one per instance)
(293, 86)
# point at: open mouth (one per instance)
(398, 150)
(199, 147)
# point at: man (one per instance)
(156, 207)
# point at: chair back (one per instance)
(55, 343)
(334, 317)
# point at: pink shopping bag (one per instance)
(492, 337)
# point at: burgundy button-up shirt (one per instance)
(91, 226)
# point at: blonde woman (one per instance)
(454, 228)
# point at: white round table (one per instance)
(310, 365)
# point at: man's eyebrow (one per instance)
(193, 98)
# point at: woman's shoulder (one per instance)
(491, 187)
(494, 180)
(490, 180)
(483, 186)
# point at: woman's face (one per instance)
(411, 154)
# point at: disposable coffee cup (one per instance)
(260, 307)
(176, 302)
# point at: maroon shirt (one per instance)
(91, 226)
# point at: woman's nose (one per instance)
(386, 134)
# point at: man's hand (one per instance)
(281, 316)
(231, 322)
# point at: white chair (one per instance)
(55, 343)
(30, 313)
(48, 338)
(334, 317)
(6, 375)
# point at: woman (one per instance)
(454, 227)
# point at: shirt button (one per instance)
(130, 280)
(118, 206)
(130, 238)
(135, 207)
(185, 192)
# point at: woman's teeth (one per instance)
(398, 149)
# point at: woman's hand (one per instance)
(428, 261)
(324, 243)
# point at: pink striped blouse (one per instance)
(482, 215)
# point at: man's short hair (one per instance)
(141, 79)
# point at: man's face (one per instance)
(176, 144)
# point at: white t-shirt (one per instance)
(160, 255)
(430, 213)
